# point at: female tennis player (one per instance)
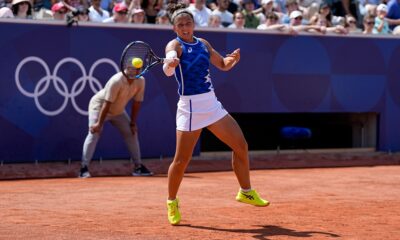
(199, 108)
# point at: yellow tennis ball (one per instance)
(137, 62)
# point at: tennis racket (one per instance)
(141, 50)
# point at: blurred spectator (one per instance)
(59, 11)
(309, 12)
(296, 19)
(339, 21)
(279, 6)
(151, 8)
(272, 23)
(331, 19)
(22, 9)
(320, 20)
(162, 18)
(239, 21)
(364, 6)
(252, 21)
(223, 13)
(396, 30)
(325, 15)
(351, 25)
(5, 12)
(381, 24)
(80, 13)
(393, 8)
(344, 7)
(200, 12)
(77, 3)
(214, 21)
(307, 3)
(83, 14)
(233, 5)
(134, 4)
(108, 5)
(120, 14)
(291, 5)
(5, 3)
(41, 9)
(368, 22)
(370, 9)
(96, 13)
(138, 16)
(267, 6)
(43, 4)
(185, 2)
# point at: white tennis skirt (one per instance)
(198, 111)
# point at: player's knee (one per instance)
(245, 146)
(181, 163)
(241, 147)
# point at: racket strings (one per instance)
(137, 51)
(142, 50)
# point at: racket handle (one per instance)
(141, 74)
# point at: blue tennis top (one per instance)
(193, 73)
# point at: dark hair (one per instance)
(82, 10)
(272, 15)
(369, 17)
(328, 17)
(15, 8)
(175, 9)
(238, 12)
(289, 2)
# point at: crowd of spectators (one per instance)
(291, 16)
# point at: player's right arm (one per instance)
(173, 51)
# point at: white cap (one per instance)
(15, 2)
(295, 14)
(266, 2)
(381, 7)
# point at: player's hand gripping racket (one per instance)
(137, 58)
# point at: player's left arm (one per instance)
(222, 63)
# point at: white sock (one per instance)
(245, 190)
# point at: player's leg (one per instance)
(89, 146)
(121, 122)
(185, 142)
(229, 132)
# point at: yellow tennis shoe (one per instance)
(252, 198)
(174, 216)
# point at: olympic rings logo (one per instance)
(59, 84)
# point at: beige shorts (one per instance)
(198, 111)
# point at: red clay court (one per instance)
(317, 203)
